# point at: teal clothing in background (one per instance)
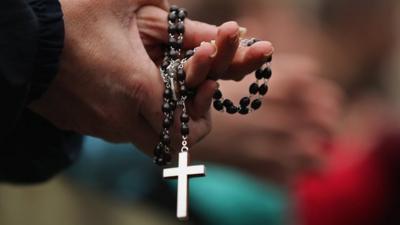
(119, 170)
(224, 197)
(229, 197)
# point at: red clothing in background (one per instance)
(364, 193)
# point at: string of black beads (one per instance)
(183, 92)
(257, 90)
(172, 70)
(162, 153)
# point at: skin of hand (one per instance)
(109, 84)
(288, 134)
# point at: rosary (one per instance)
(176, 95)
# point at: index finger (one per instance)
(154, 23)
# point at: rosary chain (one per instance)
(173, 76)
(257, 91)
(176, 93)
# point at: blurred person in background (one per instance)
(360, 182)
(357, 184)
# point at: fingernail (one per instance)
(242, 31)
(213, 44)
(215, 48)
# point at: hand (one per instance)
(299, 115)
(109, 84)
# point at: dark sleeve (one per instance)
(31, 41)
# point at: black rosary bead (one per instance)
(181, 75)
(158, 150)
(253, 88)
(172, 17)
(173, 53)
(171, 39)
(173, 105)
(244, 102)
(160, 161)
(182, 14)
(244, 111)
(256, 104)
(259, 74)
(218, 105)
(183, 90)
(172, 29)
(180, 28)
(268, 73)
(172, 42)
(217, 94)
(232, 109)
(165, 139)
(166, 108)
(168, 93)
(227, 103)
(156, 160)
(263, 89)
(184, 129)
(184, 117)
(167, 123)
(179, 43)
(174, 8)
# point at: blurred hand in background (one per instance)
(289, 133)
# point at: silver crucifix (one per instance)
(183, 172)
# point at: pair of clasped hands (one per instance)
(109, 83)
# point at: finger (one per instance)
(158, 3)
(198, 32)
(202, 101)
(227, 42)
(277, 116)
(322, 112)
(248, 59)
(199, 129)
(153, 26)
(198, 66)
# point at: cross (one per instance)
(183, 172)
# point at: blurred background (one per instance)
(325, 148)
